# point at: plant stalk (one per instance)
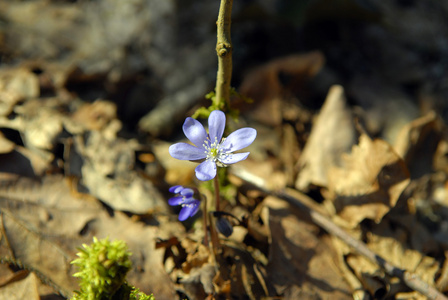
(224, 52)
(216, 188)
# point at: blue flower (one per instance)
(211, 147)
(190, 205)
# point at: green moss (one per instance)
(102, 272)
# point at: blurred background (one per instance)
(391, 56)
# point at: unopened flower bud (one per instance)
(223, 225)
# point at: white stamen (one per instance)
(214, 151)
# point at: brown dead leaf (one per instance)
(369, 183)
(16, 84)
(301, 265)
(230, 274)
(7, 276)
(332, 134)
(412, 133)
(25, 162)
(177, 171)
(389, 243)
(369, 274)
(26, 248)
(34, 215)
(43, 224)
(22, 289)
(96, 115)
(246, 275)
(393, 243)
(290, 152)
(6, 146)
(263, 84)
(41, 122)
(199, 283)
(109, 173)
(440, 161)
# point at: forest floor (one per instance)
(345, 191)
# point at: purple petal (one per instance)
(184, 151)
(188, 211)
(234, 158)
(206, 170)
(216, 125)
(239, 139)
(195, 132)
(187, 192)
(176, 189)
(175, 201)
(196, 208)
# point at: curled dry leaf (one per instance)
(331, 135)
(370, 182)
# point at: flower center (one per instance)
(213, 150)
(215, 153)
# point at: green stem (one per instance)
(216, 184)
(224, 51)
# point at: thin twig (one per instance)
(299, 200)
(224, 52)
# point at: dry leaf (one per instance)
(8, 276)
(391, 244)
(96, 115)
(15, 85)
(177, 171)
(23, 246)
(44, 224)
(6, 146)
(22, 289)
(24, 162)
(332, 134)
(264, 86)
(34, 217)
(289, 152)
(108, 172)
(300, 264)
(412, 134)
(370, 182)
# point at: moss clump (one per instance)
(102, 272)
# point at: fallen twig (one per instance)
(302, 201)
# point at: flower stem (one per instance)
(224, 52)
(216, 184)
(204, 220)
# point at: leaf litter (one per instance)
(71, 169)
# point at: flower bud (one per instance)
(223, 225)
